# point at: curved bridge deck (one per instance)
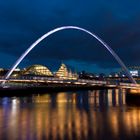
(58, 83)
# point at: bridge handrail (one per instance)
(129, 84)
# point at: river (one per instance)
(81, 115)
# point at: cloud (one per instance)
(22, 22)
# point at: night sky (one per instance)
(116, 22)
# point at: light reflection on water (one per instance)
(99, 114)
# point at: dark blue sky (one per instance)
(116, 22)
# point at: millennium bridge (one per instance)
(56, 82)
(53, 83)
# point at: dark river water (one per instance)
(83, 115)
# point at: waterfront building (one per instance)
(2, 72)
(41, 71)
(134, 71)
(63, 73)
(37, 70)
(1, 69)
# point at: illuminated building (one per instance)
(40, 70)
(37, 70)
(15, 73)
(63, 73)
(1, 69)
(134, 73)
(2, 72)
